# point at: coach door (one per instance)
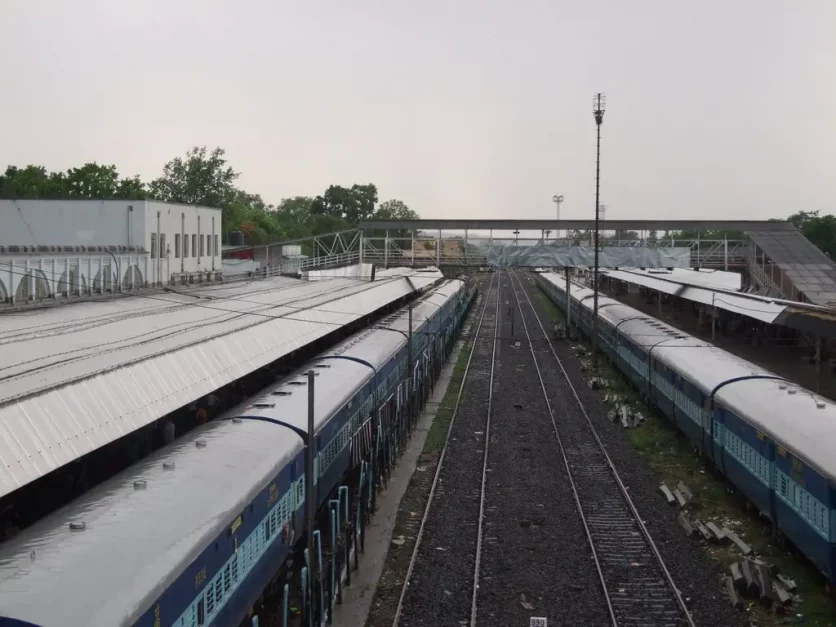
(386, 418)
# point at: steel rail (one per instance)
(443, 456)
(613, 472)
(485, 458)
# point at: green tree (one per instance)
(393, 210)
(294, 216)
(131, 188)
(92, 181)
(350, 205)
(819, 229)
(202, 178)
(31, 182)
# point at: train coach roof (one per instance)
(137, 541)
(799, 420)
(705, 365)
(344, 376)
(380, 342)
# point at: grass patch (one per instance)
(673, 458)
(441, 423)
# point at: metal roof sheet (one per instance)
(769, 310)
(703, 277)
(75, 378)
(809, 269)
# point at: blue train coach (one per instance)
(193, 534)
(773, 439)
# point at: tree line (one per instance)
(204, 177)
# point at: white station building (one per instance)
(54, 248)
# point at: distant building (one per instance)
(52, 248)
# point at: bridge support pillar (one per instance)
(725, 254)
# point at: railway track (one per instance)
(437, 600)
(637, 586)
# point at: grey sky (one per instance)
(461, 108)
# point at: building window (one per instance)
(217, 246)
(194, 245)
(201, 239)
(153, 245)
(185, 245)
(177, 246)
(163, 251)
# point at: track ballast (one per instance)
(528, 516)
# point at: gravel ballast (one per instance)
(440, 588)
(698, 578)
(536, 560)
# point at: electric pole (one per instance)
(599, 103)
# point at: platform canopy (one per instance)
(77, 377)
(803, 317)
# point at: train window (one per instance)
(201, 613)
(268, 529)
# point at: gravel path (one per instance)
(440, 588)
(696, 576)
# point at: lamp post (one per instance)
(557, 199)
(599, 105)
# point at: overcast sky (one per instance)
(461, 108)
